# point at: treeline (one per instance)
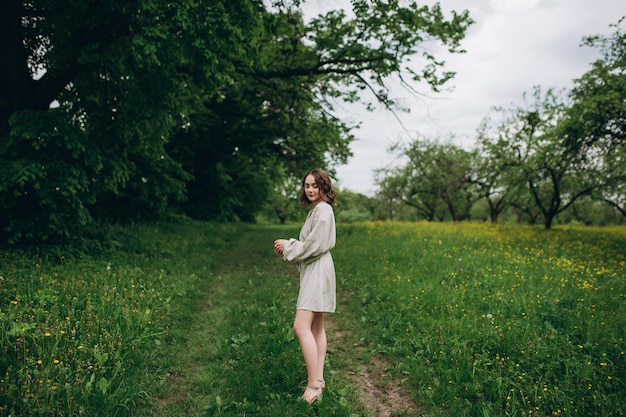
(137, 110)
(561, 156)
(124, 111)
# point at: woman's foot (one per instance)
(312, 393)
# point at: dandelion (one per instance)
(489, 316)
(39, 361)
(47, 334)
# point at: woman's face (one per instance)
(312, 191)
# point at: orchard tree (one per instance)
(597, 116)
(389, 194)
(614, 165)
(434, 179)
(595, 124)
(531, 145)
(492, 171)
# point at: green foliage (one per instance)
(382, 37)
(597, 117)
(283, 204)
(535, 161)
(46, 171)
(598, 111)
(354, 207)
(125, 76)
(533, 157)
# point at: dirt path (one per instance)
(382, 395)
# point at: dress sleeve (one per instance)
(318, 241)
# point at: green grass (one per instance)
(191, 318)
(484, 320)
(77, 336)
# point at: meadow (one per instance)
(192, 318)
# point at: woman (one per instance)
(317, 275)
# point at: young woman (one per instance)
(317, 275)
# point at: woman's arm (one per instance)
(319, 240)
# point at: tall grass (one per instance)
(77, 335)
(191, 318)
(484, 320)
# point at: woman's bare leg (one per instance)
(302, 326)
(319, 333)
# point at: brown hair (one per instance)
(325, 185)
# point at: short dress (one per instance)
(312, 253)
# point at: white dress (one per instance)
(312, 253)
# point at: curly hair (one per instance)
(325, 185)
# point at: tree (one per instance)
(198, 105)
(491, 171)
(595, 124)
(598, 112)
(280, 110)
(283, 203)
(123, 76)
(434, 179)
(530, 144)
(614, 193)
(354, 207)
(389, 194)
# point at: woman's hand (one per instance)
(279, 245)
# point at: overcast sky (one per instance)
(513, 46)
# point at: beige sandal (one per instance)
(314, 398)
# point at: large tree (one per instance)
(123, 76)
(196, 105)
(280, 110)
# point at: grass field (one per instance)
(191, 318)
